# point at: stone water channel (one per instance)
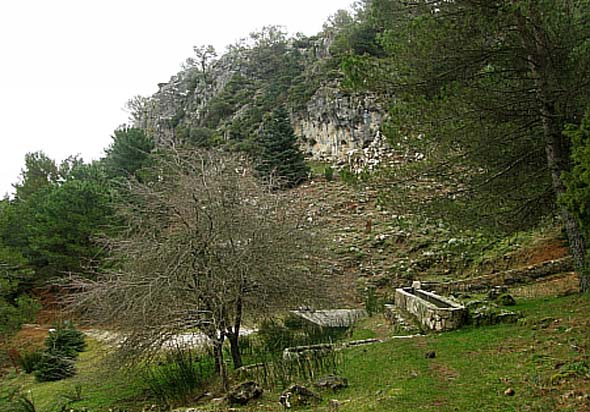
(432, 311)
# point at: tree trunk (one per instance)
(235, 350)
(557, 146)
(218, 356)
(558, 156)
(233, 336)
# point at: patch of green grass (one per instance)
(98, 390)
(473, 366)
(542, 360)
(317, 167)
(362, 333)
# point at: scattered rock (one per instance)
(333, 405)
(332, 382)
(509, 392)
(491, 314)
(430, 355)
(578, 395)
(506, 300)
(546, 322)
(475, 304)
(244, 393)
(298, 395)
(495, 292)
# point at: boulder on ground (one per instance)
(298, 395)
(244, 393)
(506, 300)
(332, 382)
(491, 314)
(496, 292)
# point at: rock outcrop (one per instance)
(226, 102)
(334, 123)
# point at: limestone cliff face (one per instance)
(335, 123)
(184, 100)
(227, 102)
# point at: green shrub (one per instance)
(28, 361)
(57, 361)
(329, 173)
(577, 196)
(24, 404)
(54, 367)
(275, 336)
(373, 304)
(347, 176)
(273, 370)
(178, 379)
(72, 394)
(66, 341)
(12, 316)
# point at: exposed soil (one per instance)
(547, 249)
(29, 338)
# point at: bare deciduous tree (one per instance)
(207, 244)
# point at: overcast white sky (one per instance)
(67, 67)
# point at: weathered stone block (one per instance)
(432, 311)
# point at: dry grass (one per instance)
(558, 285)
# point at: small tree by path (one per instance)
(207, 245)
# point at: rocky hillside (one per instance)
(215, 101)
(378, 246)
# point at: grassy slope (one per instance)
(474, 366)
(99, 390)
(472, 369)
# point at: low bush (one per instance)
(179, 377)
(13, 315)
(54, 367)
(275, 336)
(65, 340)
(28, 361)
(329, 173)
(57, 360)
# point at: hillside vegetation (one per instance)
(440, 142)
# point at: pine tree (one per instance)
(484, 90)
(128, 153)
(279, 155)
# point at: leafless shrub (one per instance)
(206, 244)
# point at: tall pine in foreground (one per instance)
(484, 89)
(279, 155)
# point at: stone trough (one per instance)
(432, 311)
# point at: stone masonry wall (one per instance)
(428, 314)
(511, 277)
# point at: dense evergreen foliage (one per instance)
(483, 92)
(128, 152)
(279, 156)
(577, 195)
(54, 222)
(57, 360)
